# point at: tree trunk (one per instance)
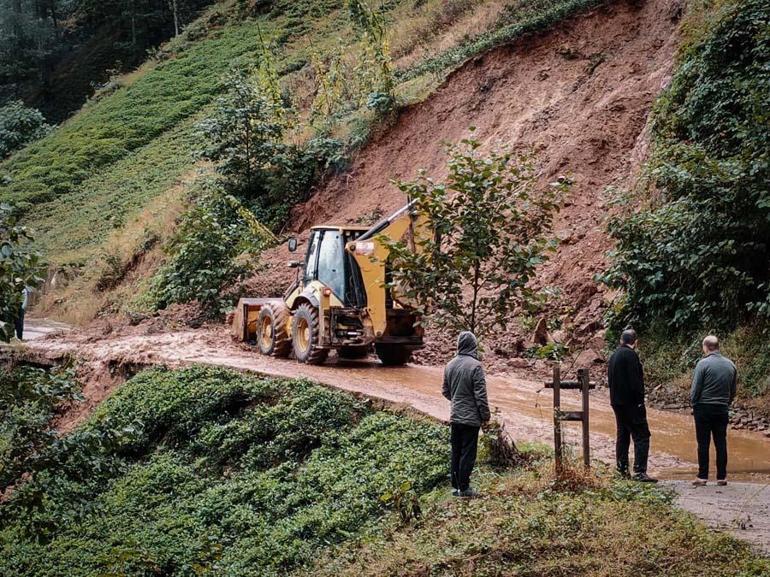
(175, 12)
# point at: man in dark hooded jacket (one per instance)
(465, 386)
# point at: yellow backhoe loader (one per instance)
(340, 298)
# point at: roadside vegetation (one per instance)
(695, 259)
(491, 225)
(529, 526)
(207, 471)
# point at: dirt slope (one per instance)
(579, 96)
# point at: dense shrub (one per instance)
(208, 471)
(699, 254)
(19, 125)
(29, 398)
(19, 269)
(210, 249)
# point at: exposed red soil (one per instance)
(578, 96)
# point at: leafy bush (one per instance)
(210, 249)
(29, 398)
(19, 125)
(209, 471)
(19, 269)
(699, 255)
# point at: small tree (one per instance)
(490, 228)
(371, 25)
(244, 136)
(19, 269)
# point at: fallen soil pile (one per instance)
(579, 97)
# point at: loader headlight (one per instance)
(363, 248)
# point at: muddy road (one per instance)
(522, 403)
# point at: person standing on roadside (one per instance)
(714, 384)
(465, 386)
(625, 376)
(19, 323)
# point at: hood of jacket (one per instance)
(467, 344)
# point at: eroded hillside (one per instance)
(578, 97)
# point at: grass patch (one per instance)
(523, 526)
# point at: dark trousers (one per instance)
(711, 420)
(465, 442)
(19, 323)
(631, 423)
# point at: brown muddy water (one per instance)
(524, 405)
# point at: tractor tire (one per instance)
(393, 355)
(353, 352)
(305, 335)
(272, 334)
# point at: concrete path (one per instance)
(740, 508)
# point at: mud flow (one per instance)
(524, 405)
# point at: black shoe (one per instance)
(469, 492)
(456, 493)
(623, 474)
(644, 478)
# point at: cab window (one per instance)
(311, 260)
(331, 263)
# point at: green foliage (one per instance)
(524, 527)
(371, 25)
(29, 398)
(209, 471)
(126, 120)
(19, 269)
(19, 125)
(699, 254)
(211, 248)
(489, 226)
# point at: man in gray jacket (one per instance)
(714, 384)
(465, 386)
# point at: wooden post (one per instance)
(584, 385)
(557, 416)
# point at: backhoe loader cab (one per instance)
(338, 300)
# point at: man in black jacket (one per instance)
(626, 380)
(465, 386)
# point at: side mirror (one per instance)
(293, 244)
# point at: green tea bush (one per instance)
(699, 254)
(20, 269)
(208, 471)
(19, 125)
(29, 398)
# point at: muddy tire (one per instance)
(353, 352)
(393, 355)
(272, 334)
(305, 335)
